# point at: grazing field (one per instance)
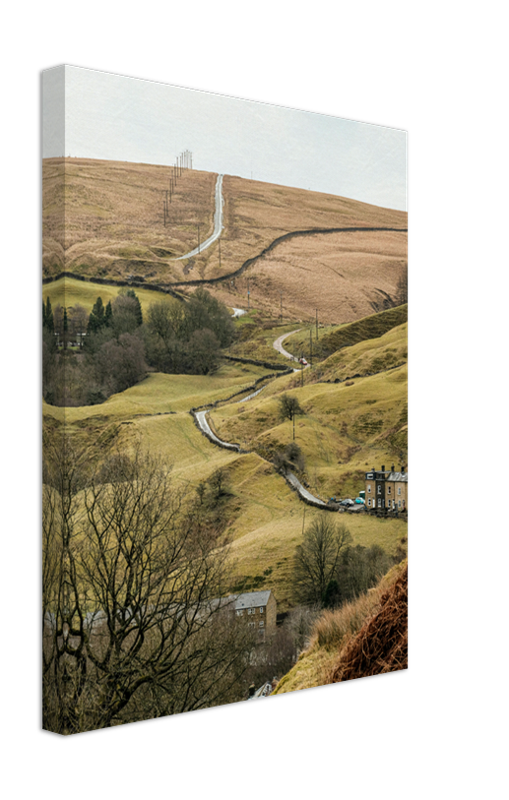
(69, 292)
(114, 228)
(114, 221)
(344, 431)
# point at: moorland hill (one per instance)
(286, 246)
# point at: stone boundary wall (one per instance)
(323, 505)
(165, 288)
(266, 364)
(225, 445)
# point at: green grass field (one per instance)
(347, 428)
(69, 291)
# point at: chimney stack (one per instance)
(392, 468)
(383, 467)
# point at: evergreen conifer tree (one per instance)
(139, 314)
(47, 316)
(66, 328)
(108, 315)
(96, 319)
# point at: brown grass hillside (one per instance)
(368, 636)
(114, 223)
(114, 228)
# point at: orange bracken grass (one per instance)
(382, 643)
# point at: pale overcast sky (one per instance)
(126, 119)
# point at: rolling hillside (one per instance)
(115, 231)
(284, 241)
(368, 636)
(347, 427)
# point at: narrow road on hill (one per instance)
(201, 419)
(218, 223)
(290, 478)
(278, 345)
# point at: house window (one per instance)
(261, 610)
(379, 489)
(240, 613)
(389, 489)
(369, 489)
(399, 503)
(251, 624)
(250, 611)
(399, 489)
(369, 502)
(379, 503)
(261, 623)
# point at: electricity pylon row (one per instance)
(183, 162)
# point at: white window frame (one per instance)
(369, 489)
(261, 609)
(240, 612)
(261, 624)
(379, 489)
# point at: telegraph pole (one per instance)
(311, 347)
(198, 238)
(165, 207)
(316, 324)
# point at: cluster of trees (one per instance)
(131, 629)
(88, 357)
(187, 337)
(328, 571)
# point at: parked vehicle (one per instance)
(303, 362)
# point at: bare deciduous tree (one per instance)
(132, 624)
(316, 559)
(289, 407)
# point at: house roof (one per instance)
(263, 691)
(250, 599)
(398, 476)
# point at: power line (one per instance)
(182, 162)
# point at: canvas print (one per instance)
(224, 379)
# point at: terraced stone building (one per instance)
(386, 490)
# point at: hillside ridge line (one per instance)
(166, 288)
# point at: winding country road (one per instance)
(291, 479)
(204, 426)
(278, 345)
(218, 223)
